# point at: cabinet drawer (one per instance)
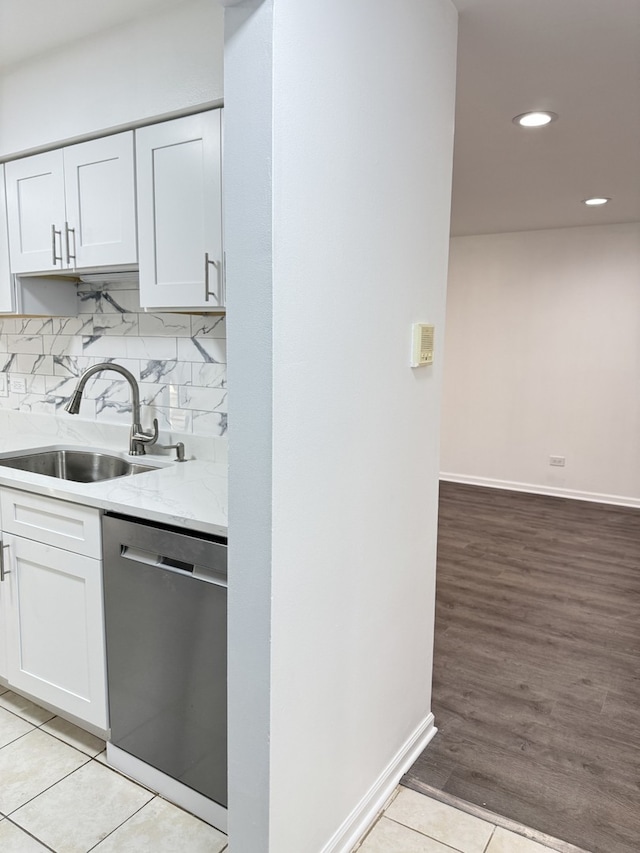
(59, 523)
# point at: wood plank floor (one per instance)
(536, 688)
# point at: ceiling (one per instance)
(578, 58)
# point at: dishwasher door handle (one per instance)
(149, 558)
(170, 564)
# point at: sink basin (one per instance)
(82, 466)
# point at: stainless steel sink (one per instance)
(82, 466)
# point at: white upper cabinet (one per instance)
(36, 212)
(180, 213)
(99, 184)
(37, 296)
(6, 284)
(74, 207)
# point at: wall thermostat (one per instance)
(422, 344)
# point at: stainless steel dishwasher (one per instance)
(166, 627)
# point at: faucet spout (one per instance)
(138, 438)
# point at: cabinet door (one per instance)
(180, 213)
(100, 198)
(36, 212)
(6, 283)
(3, 616)
(55, 627)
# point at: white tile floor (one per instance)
(413, 823)
(57, 794)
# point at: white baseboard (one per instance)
(363, 815)
(552, 491)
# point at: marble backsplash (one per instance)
(179, 361)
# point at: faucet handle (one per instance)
(149, 437)
(139, 438)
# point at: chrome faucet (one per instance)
(138, 438)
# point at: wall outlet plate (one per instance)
(557, 461)
(17, 386)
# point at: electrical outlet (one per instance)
(557, 461)
(3, 385)
(17, 386)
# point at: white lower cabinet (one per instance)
(52, 606)
(3, 639)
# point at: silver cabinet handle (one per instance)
(207, 292)
(70, 256)
(54, 257)
(3, 571)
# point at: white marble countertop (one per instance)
(191, 494)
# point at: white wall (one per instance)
(155, 65)
(249, 250)
(543, 358)
(360, 153)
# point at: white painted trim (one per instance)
(595, 497)
(363, 815)
(169, 788)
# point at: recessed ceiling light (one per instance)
(594, 202)
(538, 118)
